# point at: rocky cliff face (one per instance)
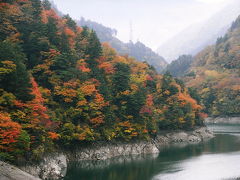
(54, 166)
(106, 151)
(9, 172)
(224, 120)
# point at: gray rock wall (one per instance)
(9, 172)
(182, 137)
(223, 120)
(106, 151)
(54, 166)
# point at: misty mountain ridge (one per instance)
(137, 50)
(196, 37)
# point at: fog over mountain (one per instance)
(196, 37)
(138, 50)
(153, 21)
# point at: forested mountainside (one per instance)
(137, 50)
(216, 74)
(60, 87)
(180, 66)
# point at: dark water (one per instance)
(216, 159)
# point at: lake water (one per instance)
(216, 159)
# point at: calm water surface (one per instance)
(217, 159)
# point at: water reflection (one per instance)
(120, 168)
(206, 167)
(216, 159)
(225, 128)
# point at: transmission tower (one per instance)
(131, 32)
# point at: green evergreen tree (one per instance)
(121, 78)
(70, 22)
(82, 42)
(64, 44)
(37, 10)
(94, 49)
(51, 32)
(46, 4)
(18, 81)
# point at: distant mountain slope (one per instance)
(193, 39)
(180, 66)
(217, 74)
(137, 50)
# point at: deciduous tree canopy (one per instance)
(61, 87)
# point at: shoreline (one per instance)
(223, 120)
(54, 165)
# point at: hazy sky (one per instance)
(153, 21)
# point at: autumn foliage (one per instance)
(61, 87)
(9, 132)
(216, 77)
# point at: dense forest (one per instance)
(60, 87)
(215, 74)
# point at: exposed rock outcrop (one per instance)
(105, 151)
(223, 120)
(54, 166)
(9, 172)
(182, 137)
